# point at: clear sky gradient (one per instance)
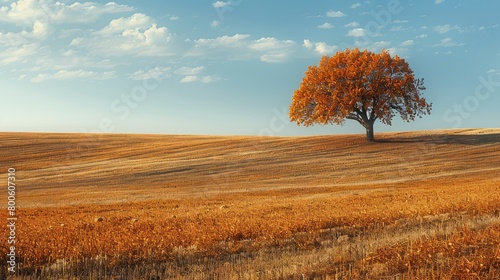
(231, 67)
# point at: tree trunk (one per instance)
(369, 132)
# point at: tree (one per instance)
(361, 86)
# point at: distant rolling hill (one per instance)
(55, 169)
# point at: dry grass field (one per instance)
(413, 205)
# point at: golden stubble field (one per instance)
(413, 205)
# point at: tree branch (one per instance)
(362, 115)
(355, 117)
(396, 107)
(373, 117)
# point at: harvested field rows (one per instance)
(191, 206)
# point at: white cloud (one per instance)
(12, 39)
(240, 46)
(335, 14)
(69, 53)
(135, 35)
(25, 12)
(189, 74)
(308, 44)
(47, 59)
(204, 79)
(379, 45)
(155, 73)
(41, 78)
(320, 48)
(355, 5)
(448, 42)
(221, 4)
(76, 74)
(421, 36)
(374, 46)
(407, 43)
(76, 51)
(76, 41)
(193, 74)
(65, 74)
(324, 49)
(325, 25)
(210, 79)
(174, 18)
(274, 57)
(18, 53)
(398, 51)
(40, 29)
(189, 71)
(225, 41)
(438, 1)
(121, 24)
(445, 28)
(352, 24)
(189, 79)
(270, 43)
(272, 49)
(357, 32)
(215, 24)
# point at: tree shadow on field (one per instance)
(462, 139)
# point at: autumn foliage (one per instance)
(361, 86)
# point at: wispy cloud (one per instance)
(189, 79)
(39, 31)
(448, 42)
(19, 53)
(352, 24)
(194, 74)
(438, 1)
(398, 28)
(445, 28)
(155, 73)
(407, 43)
(325, 25)
(74, 74)
(210, 79)
(335, 14)
(117, 26)
(189, 71)
(24, 12)
(242, 47)
(355, 5)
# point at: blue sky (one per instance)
(231, 67)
